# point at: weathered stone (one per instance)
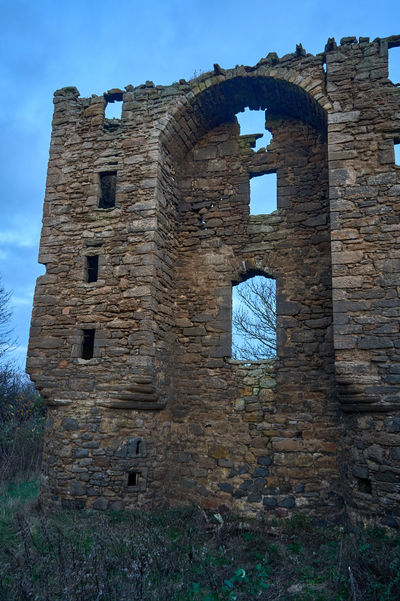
(269, 502)
(77, 488)
(100, 503)
(69, 423)
(217, 452)
(226, 487)
(288, 503)
(264, 460)
(80, 453)
(145, 402)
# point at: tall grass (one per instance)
(185, 554)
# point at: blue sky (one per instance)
(98, 45)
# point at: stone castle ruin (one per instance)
(146, 228)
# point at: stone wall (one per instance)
(161, 414)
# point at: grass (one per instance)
(185, 554)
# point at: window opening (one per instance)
(138, 449)
(113, 110)
(108, 184)
(253, 122)
(88, 344)
(263, 194)
(92, 268)
(114, 105)
(254, 319)
(364, 485)
(133, 478)
(397, 152)
(394, 65)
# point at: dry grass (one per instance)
(185, 555)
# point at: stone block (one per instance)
(77, 488)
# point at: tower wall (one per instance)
(160, 413)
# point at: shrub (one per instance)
(22, 414)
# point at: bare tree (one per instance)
(254, 319)
(5, 317)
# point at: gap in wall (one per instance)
(87, 349)
(397, 153)
(108, 184)
(394, 65)
(254, 319)
(133, 478)
(92, 268)
(113, 109)
(253, 122)
(263, 194)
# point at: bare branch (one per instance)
(5, 317)
(254, 320)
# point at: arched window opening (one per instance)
(254, 319)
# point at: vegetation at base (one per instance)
(22, 418)
(22, 411)
(185, 554)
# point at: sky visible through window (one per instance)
(263, 191)
(113, 110)
(394, 65)
(254, 319)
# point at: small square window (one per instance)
(364, 485)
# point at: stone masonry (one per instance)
(146, 228)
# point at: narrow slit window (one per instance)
(254, 319)
(108, 184)
(263, 194)
(88, 344)
(133, 478)
(394, 65)
(138, 447)
(92, 268)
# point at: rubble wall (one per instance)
(160, 413)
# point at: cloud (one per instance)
(22, 301)
(17, 355)
(26, 237)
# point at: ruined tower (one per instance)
(146, 227)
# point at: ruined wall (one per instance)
(161, 413)
(364, 195)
